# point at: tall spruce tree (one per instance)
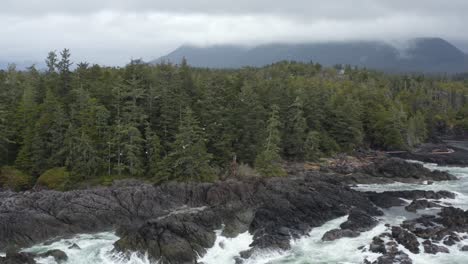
(268, 161)
(155, 167)
(49, 135)
(189, 160)
(295, 132)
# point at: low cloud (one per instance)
(112, 32)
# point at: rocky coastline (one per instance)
(176, 222)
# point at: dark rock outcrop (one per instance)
(58, 255)
(405, 238)
(175, 222)
(279, 210)
(18, 258)
(359, 221)
(403, 171)
(431, 248)
(390, 254)
(335, 234)
(176, 238)
(378, 245)
(393, 198)
(420, 204)
(449, 153)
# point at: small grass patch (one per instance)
(54, 179)
(14, 179)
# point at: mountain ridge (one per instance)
(426, 55)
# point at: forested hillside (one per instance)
(173, 122)
(419, 55)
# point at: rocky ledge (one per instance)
(431, 234)
(176, 222)
(447, 153)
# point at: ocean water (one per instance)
(98, 248)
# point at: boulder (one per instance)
(18, 258)
(431, 248)
(74, 246)
(359, 221)
(58, 255)
(420, 204)
(339, 233)
(405, 238)
(177, 238)
(377, 246)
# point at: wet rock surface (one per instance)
(406, 238)
(447, 153)
(335, 234)
(282, 209)
(176, 222)
(58, 255)
(421, 204)
(437, 233)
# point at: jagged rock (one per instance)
(394, 258)
(385, 200)
(420, 204)
(431, 248)
(403, 171)
(451, 239)
(74, 246)
(430, 153)
(393, 198)
(464, 248)
(177, 238)
(339, 233)
(377, 246)
(18, 258)
(359, 221)
(405, 238)
(58, 255)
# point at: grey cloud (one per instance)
(338, 9)
(113, 31)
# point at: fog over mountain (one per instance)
(429, 55)
(112, 32)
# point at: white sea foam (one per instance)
(98, 248)
(226, 249)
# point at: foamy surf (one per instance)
(98, 248)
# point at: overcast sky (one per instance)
(114, 31)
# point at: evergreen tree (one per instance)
(63, 67)
(268, 160)
(154, 151)
(49, 135)
(128, 138)
(294, 135)
(344, 124)
(51, 62)
(26, 115)
(417, 130)
(189, 160)
(312, 146)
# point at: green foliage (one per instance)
(154, 151)
(14, 179)
(54, 179)
(386, 129)
(295, 132)
(327, 144)
(189, 160)
(268, 162)
(344, 124)
(49, 132)
(417, 129)
(103, 123)
(312, 146)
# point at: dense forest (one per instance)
(75, 123)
